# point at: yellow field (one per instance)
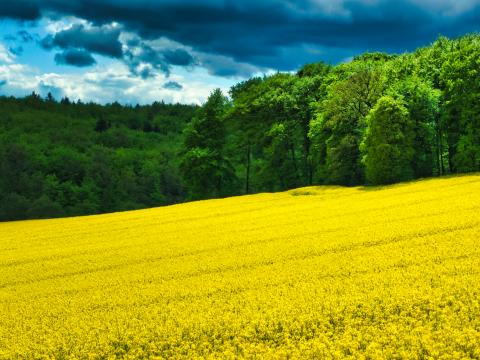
(321, 272)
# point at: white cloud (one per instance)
(64, 23)
(6, 57)
(109, 83)
(113, 79)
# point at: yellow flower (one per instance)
(320, 272)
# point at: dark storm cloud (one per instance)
(224, 66)
(20, 9)
(3, 82)
(75, 57)
(273, 33)
(172, 85)
(179, 57)
(102, 40)
(142, 58)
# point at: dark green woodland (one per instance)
(379, 119)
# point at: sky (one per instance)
(140, 51)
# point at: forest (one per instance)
(378, 119)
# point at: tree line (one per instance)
(378, 119)
(69, 158)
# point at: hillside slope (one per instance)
(314, 272)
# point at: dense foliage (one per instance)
(61, 159)
(378, 119)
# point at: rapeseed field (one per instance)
(319, 272)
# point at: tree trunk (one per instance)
(294, 160)
(438, 147)
(247, 177)
(306, 153)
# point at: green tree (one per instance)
(13, 207)
(460, 79)
(102, 124)
(308, 89)
(248, 125)
(422, 103)
(353, 91)
(44, 208)
(206, 171)
(281, 169)
(388, 143)
(281, 134)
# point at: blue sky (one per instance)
(179, 50)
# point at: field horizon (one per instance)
(303, 190)
(316, 272)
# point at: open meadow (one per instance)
(318, 272)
